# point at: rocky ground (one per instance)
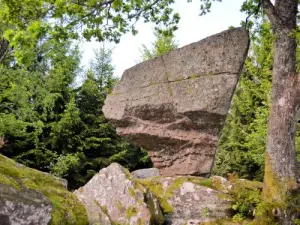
(114, 196)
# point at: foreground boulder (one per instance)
(28, 196)
(189, 200)
(175, 105)
(23, 206)
(113, 196)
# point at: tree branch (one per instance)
(271, 12)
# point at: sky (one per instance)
(191, 28)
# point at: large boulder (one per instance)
(175, 105)
(189, 200)
(28, 196)
(113, 197)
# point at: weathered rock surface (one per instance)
(175, 105)
(23, 207)
(189, 200)
(112, 197)
(145, 173)
(31, 197)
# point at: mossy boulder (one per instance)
(28, 196)
(188, 199)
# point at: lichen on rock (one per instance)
(178, 120)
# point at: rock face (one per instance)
(112, 197)
(23, 207)
(175, 105)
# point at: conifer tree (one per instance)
(98, 143)
(164, 42)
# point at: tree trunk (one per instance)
(4, 45)
(281, 168)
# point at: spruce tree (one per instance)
(98, 145)
(164, 42)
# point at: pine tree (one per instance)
(98, 145)
(33, 99)
(164, 42)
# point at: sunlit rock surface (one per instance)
(175, 105)
(114, 196)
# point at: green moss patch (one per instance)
(67, 209)
(154, 185)
(131, 212)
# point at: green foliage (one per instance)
(50, 126)
(205, 5)
(26, 22)
(243, 141)
(96, 143)
(162, 45)
(246, 198)
(65, 163)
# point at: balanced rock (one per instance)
(175, 105)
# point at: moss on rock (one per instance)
(154, 185)
(67, 209)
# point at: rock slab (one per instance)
(113, 197)
(23, 207)
(32, 197)
(175, 105)
(191, 200)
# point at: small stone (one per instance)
(145, 173)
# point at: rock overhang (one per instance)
(175, 105)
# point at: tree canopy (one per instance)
(25, 23)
